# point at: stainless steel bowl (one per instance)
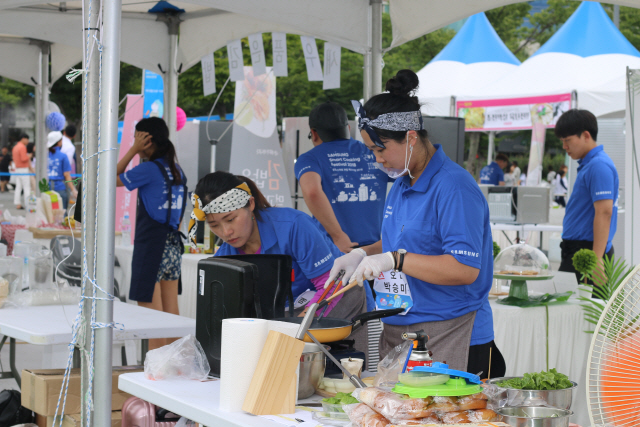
(312, 365)
(534, 416)
(514, 397)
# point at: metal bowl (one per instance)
(312, 365)
(514, 397)
(534, 416)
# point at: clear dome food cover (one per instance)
(521, 260)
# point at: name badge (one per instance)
(393, 291)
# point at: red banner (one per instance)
(125, 199)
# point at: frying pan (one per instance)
(330, 329)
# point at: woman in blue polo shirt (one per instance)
(162, 192)
(436, 254)
(239, 214)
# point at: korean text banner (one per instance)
(513, 113)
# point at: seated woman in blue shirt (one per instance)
(60, 169)
(239, 214)
(435, 257)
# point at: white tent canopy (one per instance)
(474, 57)
(587, 55)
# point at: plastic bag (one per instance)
(392, 365)
(181, 359)
(361, 415)
(393, 405)
(62, 296)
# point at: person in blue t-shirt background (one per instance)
(239, 214)
(340, 182)
(436, 250)
(162, 192)
(590, 218)
(493, 173)
(60, 170)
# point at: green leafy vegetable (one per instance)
(551, 380)
(535, 301)
(341, 398)
(496, 250)
(585, 261)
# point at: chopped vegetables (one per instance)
(551, 380)
(341, 398)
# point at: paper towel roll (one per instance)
(242, 343)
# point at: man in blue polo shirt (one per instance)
(340, 183)
(493, 173)
(591, 215)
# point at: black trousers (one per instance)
(479, 356)
(560, 200)
(569, 249)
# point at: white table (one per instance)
(52, 324)
(520, 335)
(186, 301)
(197, 401)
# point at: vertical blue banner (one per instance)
(153, 95)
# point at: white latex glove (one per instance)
(370, 267)
(348, 263)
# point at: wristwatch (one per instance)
(401, 254)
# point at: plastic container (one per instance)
(125, 227)
(32, 205)
(22, 250)
(11, 271)
(41, 269)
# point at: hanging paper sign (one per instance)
(208, 74)
(514, 113)
(257, 54)
(332, 55)
(279, 42)
(314, 69)
(236, 64)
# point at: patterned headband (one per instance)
(411, 120)
(230, 201)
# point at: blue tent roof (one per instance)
(476, 41)
(165, 7)
(588, 32)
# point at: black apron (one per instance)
(149, 243)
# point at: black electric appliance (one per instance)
(250, 286)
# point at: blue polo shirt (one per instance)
(154, 191)
(58, 165)
(597, 179)
(443, 213)
(353, 184)
(491, 174)
(286, 231)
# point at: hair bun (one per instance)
(404, 82)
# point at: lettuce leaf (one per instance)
(545, 380)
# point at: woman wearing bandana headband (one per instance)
(162, 192)
(238, 213)
(435, 257)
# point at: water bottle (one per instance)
(126, 230)
(32, 204)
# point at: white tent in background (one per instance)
(475, 56)
(588, 55)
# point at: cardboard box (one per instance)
(75, 420)
(41, 389)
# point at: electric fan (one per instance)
(613, 371)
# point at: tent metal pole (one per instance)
(492, 147)
(171, 77)
(376, 47)
(366, 76)
(91, 87)
(42, 105)
(106, 221)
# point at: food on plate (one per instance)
(551, 380)
(362, 415)
(343, 386)
(328, 385)
(341, 398)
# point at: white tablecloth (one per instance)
(520, 335)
